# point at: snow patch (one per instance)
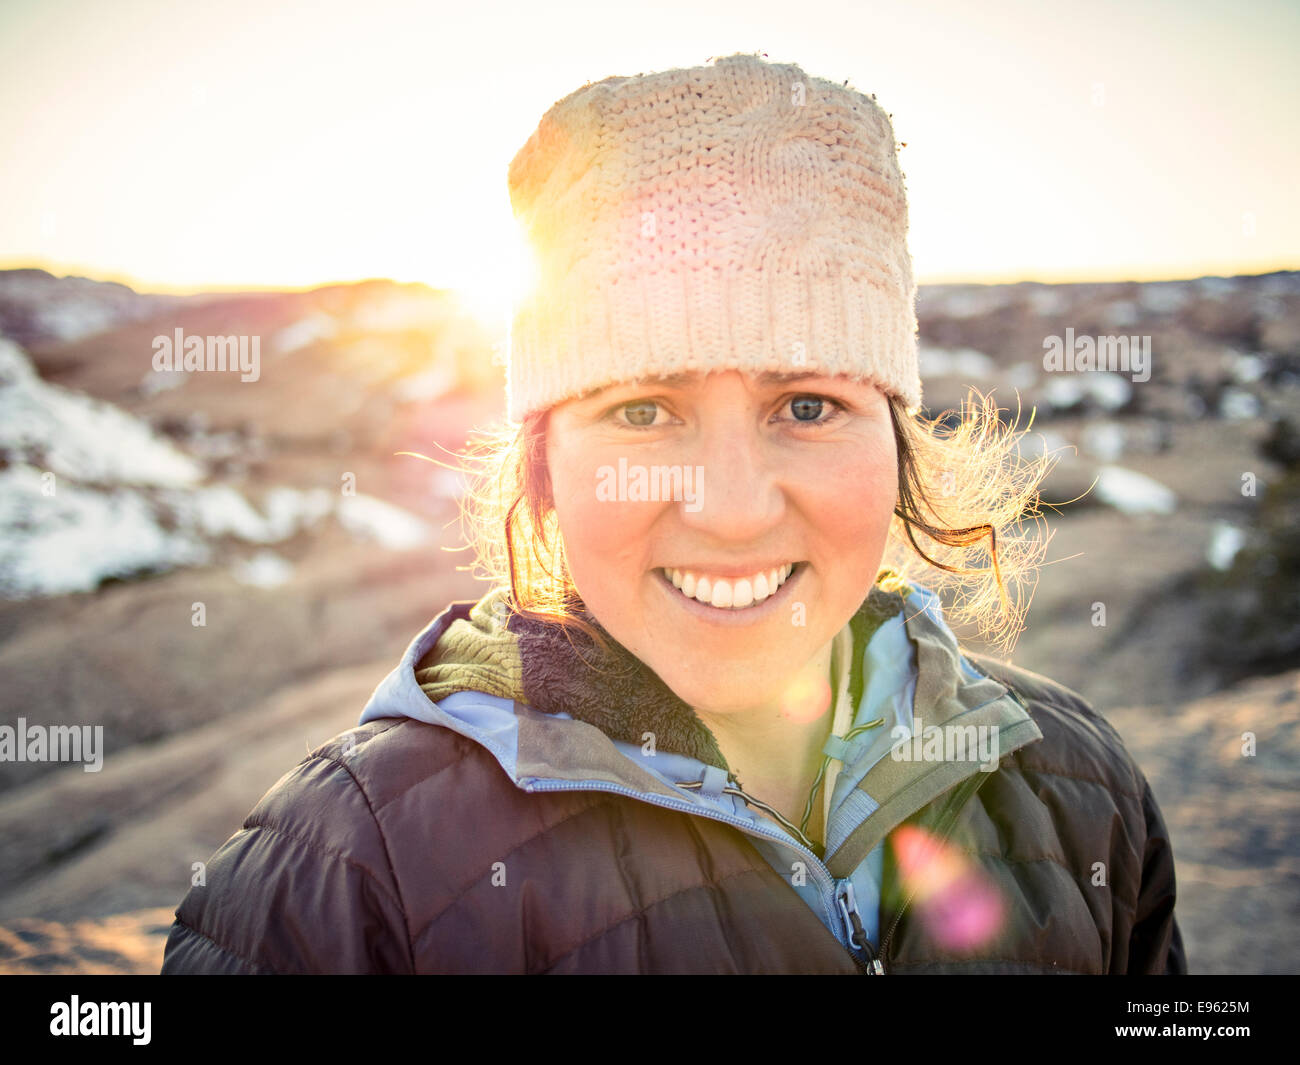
(1246, 368)
(80, 437)
(290, 509)
(219, 510)
(1107, 390)
(78, 537)
(1131, 492)
(90, 493)
(265, 569)
(1236, 404)
(373, 519)
(1104, 440)
(966, 363)
(155, 381)
(1225, 541)
(1036, 444)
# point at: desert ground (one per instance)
(280, 513)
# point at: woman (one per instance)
(699, 725)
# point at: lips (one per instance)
(729, 593)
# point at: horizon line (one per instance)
(63, 269)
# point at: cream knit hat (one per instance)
(739, 215)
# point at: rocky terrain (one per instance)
(218, 571)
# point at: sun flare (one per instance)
(491, 286)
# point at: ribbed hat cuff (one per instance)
(681, 319)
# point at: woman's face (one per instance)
(768, 497)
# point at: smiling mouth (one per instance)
(739, 593)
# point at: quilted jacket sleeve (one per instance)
(305, 886)
(1156, 944)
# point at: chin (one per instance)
(708, 678)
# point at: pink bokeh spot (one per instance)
(959, 906)
(965, 915)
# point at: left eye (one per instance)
(806, 408)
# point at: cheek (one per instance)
(604, 539)
(851, 501)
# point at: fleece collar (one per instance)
(556, 671)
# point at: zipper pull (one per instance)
(857, 935)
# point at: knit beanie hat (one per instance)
(738, 215)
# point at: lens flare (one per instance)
(958, 904)
(806, 699)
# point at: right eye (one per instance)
(640, 413)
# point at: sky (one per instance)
(182, 146)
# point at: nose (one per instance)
(740, 496)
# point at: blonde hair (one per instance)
(967, 520)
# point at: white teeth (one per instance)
(730, 594)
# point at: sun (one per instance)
(491, 286)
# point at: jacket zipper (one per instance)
(842, 908)
(826, 881)
(845, 897)
(859, 944)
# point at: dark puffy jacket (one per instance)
(504, 837)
